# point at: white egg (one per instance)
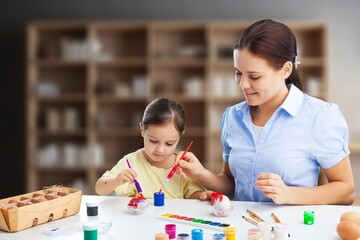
(222, 204)
(222, 208)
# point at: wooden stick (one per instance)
(250, 221)
(277, 220)
(255, 216)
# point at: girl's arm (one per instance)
(105, 185)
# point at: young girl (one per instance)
(161, 127)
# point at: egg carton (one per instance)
(35, 208)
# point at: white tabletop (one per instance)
(127, 226)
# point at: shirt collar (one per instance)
(291, 104)
(293, 100)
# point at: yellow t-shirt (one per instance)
(151, 179)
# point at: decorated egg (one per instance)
(138, 205)
(222, 207)
(351, 217)
(348, 230)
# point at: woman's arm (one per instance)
(340, 188)
(222, 182)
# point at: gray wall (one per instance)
(342, 17)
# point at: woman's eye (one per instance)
(238, 76)
(254, 78)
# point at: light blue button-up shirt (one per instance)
(302, 134)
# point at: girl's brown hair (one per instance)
(164, 110)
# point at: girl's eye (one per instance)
(170, 144)
(153, 141)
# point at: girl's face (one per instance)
(160, 142)
(260, 82)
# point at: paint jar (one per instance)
(254, 234)
(197, 234)
(159, 199)
(230, 233)
(90, 231)
(92, 209)
(265, 229)
(170, 229)
(183, 236)
(161, 236)
(219, 236)
(281, 231)
(309, 217)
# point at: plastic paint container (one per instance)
(159, 199)
(219, 236)
(230, 233)
(265, 229)
(281, 231)
(92, 209)
(309, 217)
(183, 236)
(254, 234)
(197, 234)
(161, 236)
(90, 231)
(170, 229)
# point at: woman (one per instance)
(275, 142)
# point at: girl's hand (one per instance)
(206, 195)
(190, 166)
(126, 175)
(273, 187)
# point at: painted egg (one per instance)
(351, 217)
(348, 230)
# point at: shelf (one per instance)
(95, 79)
(179, 62)
(118, 132)
(107, 98)
(61, 133)
(60, 168)
(63, 98)
(57, 62)
(122, 62)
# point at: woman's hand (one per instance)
(273, 187)
(190, 166)
(126, 175)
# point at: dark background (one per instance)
(15, 14)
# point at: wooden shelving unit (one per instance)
(89, 82)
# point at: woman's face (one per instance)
(260, 82)
(160, 142)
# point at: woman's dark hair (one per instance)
(273, 41)
(164, 110)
